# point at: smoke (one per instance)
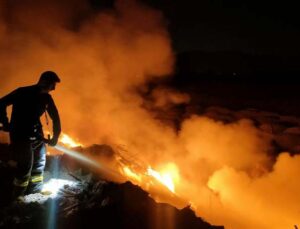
(165, 98)
(103, 58)
(270, 201)
(100, 61)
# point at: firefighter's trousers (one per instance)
(31, 159)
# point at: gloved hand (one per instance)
(5, 127)
(51, 142)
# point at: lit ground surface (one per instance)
(51, 190)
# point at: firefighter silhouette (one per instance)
(25, 130)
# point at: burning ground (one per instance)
(86, 200)
(227, 165)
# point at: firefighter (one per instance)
(27, 141)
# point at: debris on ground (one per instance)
(100, 202)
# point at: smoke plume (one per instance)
(102, 58)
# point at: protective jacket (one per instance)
(26, 134)
(28, 106)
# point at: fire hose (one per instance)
(73, 154)
(77, 155)
(85, 159)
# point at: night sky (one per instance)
(251, 38)
(256, 27)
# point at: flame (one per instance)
(129, 173)
(165, 179)
(65, 140)
(167, 176)
(68, 141)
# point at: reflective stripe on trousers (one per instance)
(31, 163)
(36, 178)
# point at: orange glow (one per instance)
(129, 173)
(110, 94)
(68, 141)
(167, 177)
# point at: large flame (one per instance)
(167, 175)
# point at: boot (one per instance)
(34, 188)
(18, 193)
